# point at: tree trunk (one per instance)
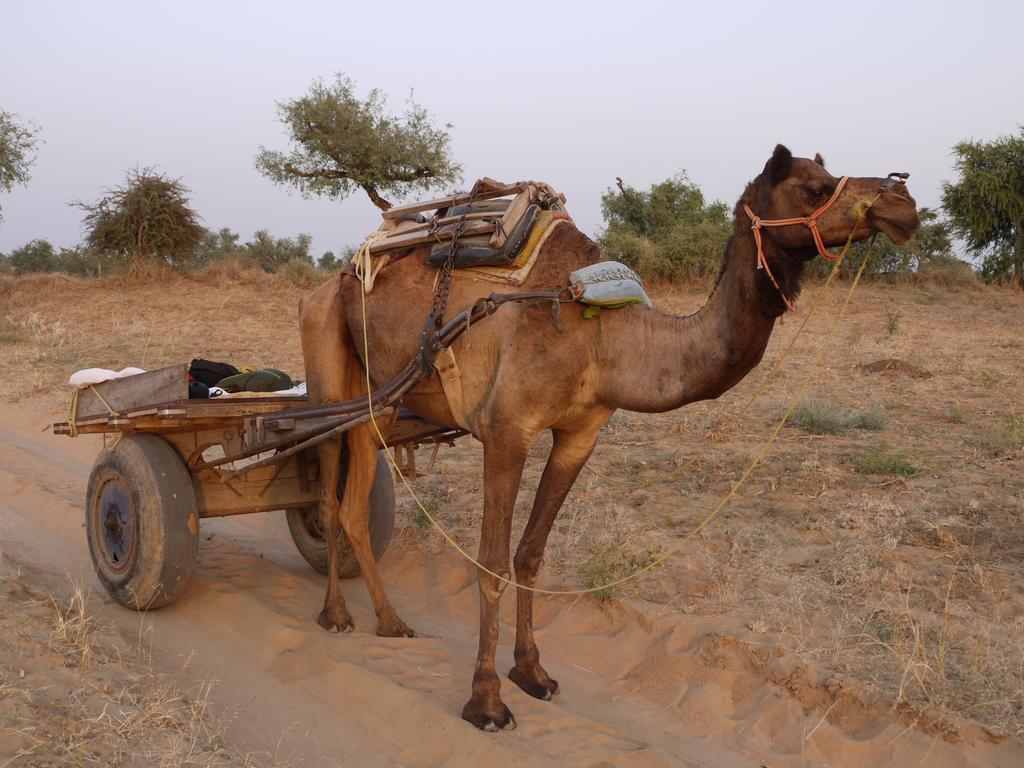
(1018, 255)
(138, 258)
(379, 201)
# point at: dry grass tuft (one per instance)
(824, 417)
(882, 461)
(1005, 439)
(74, 628)
(91, 698)
(611, 562)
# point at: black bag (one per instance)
(197, 390)
(209, 372)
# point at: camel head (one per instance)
(791, 187)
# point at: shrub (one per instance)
(302, 274)
(820, 417)
(1004, 439)
(610, 563)
(667, 232)
(881, 461)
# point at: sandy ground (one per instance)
(831, 616)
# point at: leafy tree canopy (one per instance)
(273, 253)
(986, 207)
(40, 256)
(341, 143)
(17, 152)
(215, 246)
(148, 222)
(667, 231)
(34, 256)
(330, 262)
(265, 251)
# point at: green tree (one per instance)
(331, 263)
(216, 246)
(668, 231)
(986, 206)
(34, 256)
(17, 152)
(83, 261)
(272, 254)
(147, 222)
(341, 143)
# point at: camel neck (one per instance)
(654, 362)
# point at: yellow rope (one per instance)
(689, 537)
(103, 400)
(363, 262)
(73, 409)
(73, 414)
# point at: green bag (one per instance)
(263, 380)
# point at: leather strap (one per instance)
(451, 383)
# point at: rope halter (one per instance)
(811, 222)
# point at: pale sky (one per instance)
(572, 93)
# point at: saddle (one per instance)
(497, 221)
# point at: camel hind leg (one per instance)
(355, 519)
(335, 615)
(335, 373)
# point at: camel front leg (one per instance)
(503, 469)
(355, 519)
(335, 616)
(569, 453)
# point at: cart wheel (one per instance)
(142, 522)
(307, 533)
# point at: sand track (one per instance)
(638, 688)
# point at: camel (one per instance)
(522, 374)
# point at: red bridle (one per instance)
(811, 222)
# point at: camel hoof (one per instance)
(392, 626)
(534, 681)
(491, 717)
(334, 620)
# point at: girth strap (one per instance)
(451, 383)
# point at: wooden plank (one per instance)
(418, 238)
(238, 407)
(262, 489)
(143, 389)
(427, 225)
(447, 202)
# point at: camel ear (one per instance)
(777, 169)
(819, 159)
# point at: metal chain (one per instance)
(429, 345)
(444, 282)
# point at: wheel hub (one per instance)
(117, 525)
(313, 526)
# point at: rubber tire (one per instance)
(312, 545)
(166, 521)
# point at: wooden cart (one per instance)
(174, 461)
